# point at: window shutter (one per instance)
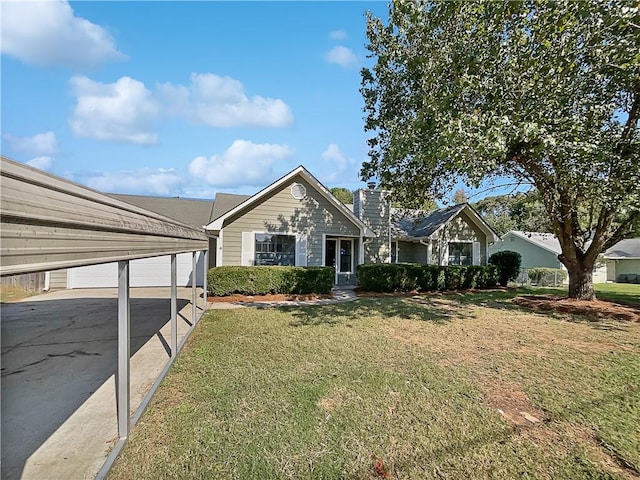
(248, 248)
(476, 253)
(301, 250)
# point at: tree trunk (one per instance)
(580, 283)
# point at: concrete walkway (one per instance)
(59, 358)
(340, 294)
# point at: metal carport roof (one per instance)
(48, 223)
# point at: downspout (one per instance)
(428, 245)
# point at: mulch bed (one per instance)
(595, 308)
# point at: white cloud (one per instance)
(143, 181)
(337, 166)
(39, 144)
(127, 111)
(221, 102)
(243, 163)
(337, 35)
(42, 163)
(123, 111)
(342, 56)
(333, 154)
(47, 33)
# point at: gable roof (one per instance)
(420, 224)
(628, 248)
(417, 224)
(192, 211)
(218, 221)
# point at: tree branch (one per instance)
(622, 230)
(632, 119)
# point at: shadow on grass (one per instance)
(410, 308)
(440, 308)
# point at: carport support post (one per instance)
(204, 281)
(174, 306)
(123, 348)
(194, 287)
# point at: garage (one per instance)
(144, 272)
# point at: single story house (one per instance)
(539, 249)
(623, 261)
(296, 220)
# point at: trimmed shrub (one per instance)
(407, 277)
(508, 264)
(388, 277)
(546, 277)
(269, 279)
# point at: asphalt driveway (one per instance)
(59, 362)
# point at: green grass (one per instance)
(396, 388)
(618, 292)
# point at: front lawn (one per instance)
(430, 386)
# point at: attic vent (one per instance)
(298, 191)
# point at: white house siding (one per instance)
(313, 216)
(58, 279)
(615, 268)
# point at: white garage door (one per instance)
(146, 272)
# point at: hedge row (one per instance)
(267, 279)
(406, 277)
(546, 277)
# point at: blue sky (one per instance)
(185, 98)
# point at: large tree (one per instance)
(520, 211)
(542, 93)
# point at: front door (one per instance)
(339, 254)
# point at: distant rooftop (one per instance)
(628, 248)
(192, 211)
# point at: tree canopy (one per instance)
(540, 93)
(343, 194)
(521, 211)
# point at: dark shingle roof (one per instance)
(420, 224)
(629, 248)
(194, 212)
(225, 202)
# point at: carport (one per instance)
(49, 223)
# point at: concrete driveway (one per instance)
(59, 359)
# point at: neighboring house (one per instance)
(542, 250)
(147, 272)
(623, 261)
(297, 221)
(536, 249)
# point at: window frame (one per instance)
(278, 251)
(468, 257)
